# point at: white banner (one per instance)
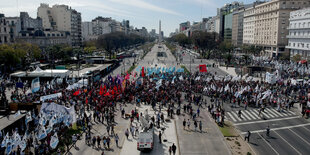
(270, 78)
(52, 96)
(52, 108)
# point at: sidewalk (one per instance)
(99, 129)
(130, 145)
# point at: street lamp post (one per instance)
(190, 64)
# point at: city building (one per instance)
(101, 25)
(211, 24)
(44, 38)
(237, 27)
(87, 31)
(184, 26)
(9, 28)
(225, 19)
(299, 33)
(126, 26)
(238, 22)
(28, 23)
(248, 25)
(271, 22)
(62, 18)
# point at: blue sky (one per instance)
(145, 13)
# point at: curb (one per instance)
(176, 130)
(223, 138)
(242, 137)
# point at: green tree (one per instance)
(8, 57)
(226, 47)
(296, 58)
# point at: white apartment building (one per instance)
(270, 24)
(248, 25)
(299, 33)
(9, 28)
(62, 18)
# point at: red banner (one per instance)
(203, 68)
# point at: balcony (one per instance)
(299, 37)
(298, 28)
(298, 48)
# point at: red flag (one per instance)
(142, 72)
(78, 92)
(86, 101)
(127, 76)
(203, 68)
(107, 94)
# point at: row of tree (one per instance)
(18, 55)
(210, 45)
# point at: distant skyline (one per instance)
(141, 13)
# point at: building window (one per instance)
(4, 29)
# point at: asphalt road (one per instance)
(289, 133)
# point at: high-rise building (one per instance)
(9, 28)
(159, 35)
(87, 31)
(62, 18)
(101, 25)
(225, 19)
(248, 25)
(28, 23)
(271, 20)
(184, 26)
(299, 33)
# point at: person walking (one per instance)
(200, 126)
(127, 133)
(188, 124)
(116, 139)
(267, 131)
(184, 124)
(239, 114)
(247, 137)
(94, 141)
(174, 148)
(98, 141)
(74, 139)
(195, 124)
(108, 142)
(159, 135)
(170, 150)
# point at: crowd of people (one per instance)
(98, 100)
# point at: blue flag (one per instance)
(35, 85)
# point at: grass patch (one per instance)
(172, 48)
(185, 69)
(131, 68)
(227, 130)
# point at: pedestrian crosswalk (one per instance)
(254, 114)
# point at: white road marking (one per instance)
(268, 144)
(263, 121)
(232, 117)
(257, 113)
(306, 128)
(244, 114)
(281, 128)
(266, 114)
(300, 137)
(290, 112)
(288, 143)
(271, 112)
(236, 115)
(277, 112)
(250, 114)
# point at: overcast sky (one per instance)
(145, 13)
